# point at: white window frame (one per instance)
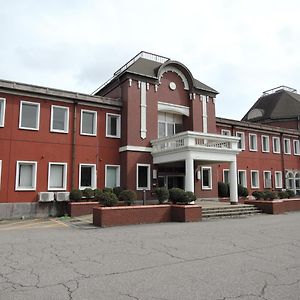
(276, 138)
(250, 146)
(244, 184)
(265, 182)
(209, 187)
(2, 118)
(278, 185)
(148, 176)
(226, 132)
(66, 130)
(37, 119)
(94, 124)
(118, 174)
(0, 173)
(226, 170)
(267, 138)
(242, 137)
(296, 145)
(34, 164)
(93, 179)
(118, 125)
(64, 185)
(254, 186)
(287, 150)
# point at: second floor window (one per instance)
(88, 122)
(2, 111)
(169, 124)
(276, 144)
(59, 119)
(296, 147)
(252, 142)
(29, 115)
(241, 143)
(265, 143)
(113, 125)
(287, 146)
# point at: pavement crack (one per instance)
(129, 296)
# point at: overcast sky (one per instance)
(240, 48)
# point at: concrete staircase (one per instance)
(229, 211)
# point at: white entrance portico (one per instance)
(190, 146)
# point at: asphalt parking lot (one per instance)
(249, 258)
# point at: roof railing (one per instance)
(279, 88)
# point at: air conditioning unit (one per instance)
(62, 196)
(46, 196)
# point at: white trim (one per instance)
(244, 184)
(64, 183)
(178, 72)
(242, 137)
(256, 172)
(2, 118)
(289, 150)
(226, 132)
(252, 148)
(228, 176)
(32, 163)
(117, 174)
(118, 135)
(173, 108)
(0, 173)
(93, 179)
(277, 138)
(143, 108)
(66, 120)
(37, 115)
(278, 185)
(296, 147)
(204, 113)
(267, 144)
(209, 187)
(94, 122)
(265, 183)
(135, 148)
(148, 176)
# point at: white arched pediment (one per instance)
(178, 72)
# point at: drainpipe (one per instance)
(74, 145)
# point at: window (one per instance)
(287, 146)
(225, 132)
(241, 143)
(206, 178)
(2, 111)
(57, 176)
(252, 142)
(169, 124)
(242, 179)
(143, 176)
(296, 147)
(289, 181)
(112, 176)
(265, 143)
(87, 176)
(88, 122)
(278, 179)
(26, 175)
(254, 179)
(59, 119)
(226, 176)
(113, 125)
(276, 144)
(267, 179)
(29, 115)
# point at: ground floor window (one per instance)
(292, 181)
(226, 176)
(26, 175)
(254, 179)
(112, 176)
(206, 178)
(278, 179)
(87, 176)
(242, 178)
(267, 180)
(143, 176)
(57, 176)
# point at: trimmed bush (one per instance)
(290, 193)
(223, 189)
(107, 190)
(76, 195)
(269, 195)
(242, 191)
(88, 193)
(162, 194)
(190, 196)
(283, 195)
(258, 195)
(98, 195)
(177, 195)
(117, 190)
(128, 196)
(109, 199)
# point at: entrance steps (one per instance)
(229, 211)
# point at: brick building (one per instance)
(152, 124)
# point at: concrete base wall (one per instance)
(32, 210)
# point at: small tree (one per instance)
(128, 196)
(162, 194)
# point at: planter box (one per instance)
(76, 209)
(276, 206)
(129, 215)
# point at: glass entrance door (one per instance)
(171, 181)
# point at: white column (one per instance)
(189, 175)
(233, 183)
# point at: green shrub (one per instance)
(96, 192)
(162, 194)
(108, 199)
(98, 195)
(269, 195)
(190, 196)
(283, 195)
(117, 190)
(128, 196)
(177, 195)
(223, 189)
(107, 190)
(290, 193)
(76, 195)
(258, 195)
(243, 191)
(88, 193)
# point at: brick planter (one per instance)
(76, 209)
(129, 215)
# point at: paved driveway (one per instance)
(248, 258)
